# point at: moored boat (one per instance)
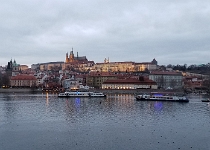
(205, 100)
(97, 94)
(81, 94)
(161, 97)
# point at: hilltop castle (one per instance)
(72, 59)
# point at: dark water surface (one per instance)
(118, 122)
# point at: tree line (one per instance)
(202, 68)
(4, 80)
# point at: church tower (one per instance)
(67, 59)
(71, 56)
(106, 60)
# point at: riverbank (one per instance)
(136, 91)
(106, 91)
(18, 90)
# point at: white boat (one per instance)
(97, 94)
(161, 97)
(81, 94)
(205, 100)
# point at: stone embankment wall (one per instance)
(16, 90)
(136, 91)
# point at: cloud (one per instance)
(173, 32)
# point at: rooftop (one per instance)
(23, 77)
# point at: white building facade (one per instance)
(167, 80)
(128, 84)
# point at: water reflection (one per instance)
(120, 104)
(47, 99)
(158, 106)
(100, 123)
(77, 103)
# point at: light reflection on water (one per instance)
(115, 122)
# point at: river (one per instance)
(117, 122)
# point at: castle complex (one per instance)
(77, 63)
(82, 64)
(129, 66)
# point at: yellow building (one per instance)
(125, 66)
(23, 67)
(50, 65)
(115, 67)
(96, 80)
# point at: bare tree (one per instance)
(5, 80)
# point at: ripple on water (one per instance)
(115, 122)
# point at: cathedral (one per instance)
(72, 59)
(77, 62)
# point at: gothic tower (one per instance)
(67, 59)
(71, 56)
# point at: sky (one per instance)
(172, 32)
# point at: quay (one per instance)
(18, 90)
(106, 91)
(135, 91)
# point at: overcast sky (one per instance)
(172, 32)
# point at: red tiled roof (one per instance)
(23, 77)
(165, 73)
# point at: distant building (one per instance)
(23, 80)
(125, 66)
(97, 78)
(71, 58)
(193, 82)
(80, 63)
(130, 83)
(12, 68)
(114, 66)
(40, 79)
(165, 79)
(23, 67)
(190, 74)
(70, 84)
(150, 66)
(35, 66)
(48, 66)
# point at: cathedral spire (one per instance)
(67, 59)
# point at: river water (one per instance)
(118, 122)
